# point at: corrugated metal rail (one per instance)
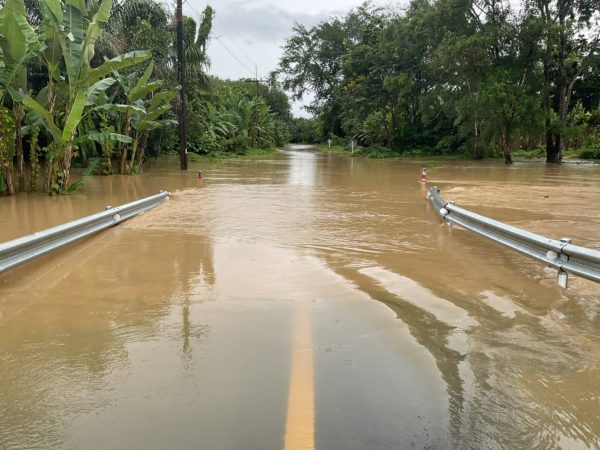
(18, 251)
(562, 254)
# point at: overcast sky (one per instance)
(249, 33)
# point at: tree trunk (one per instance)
(8, 179)
(556, 152)
(18, 113)
(552, 151)
(477, 139)
(34, 157)
(66, 166)
(142, 151)
(124, 147)
(553, 154)
(49, 175)
(51, 165)
(134, 148)
(7, 142)
(506, 146)
(415, 102)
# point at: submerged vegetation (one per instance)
(93, 83)
(445, 77)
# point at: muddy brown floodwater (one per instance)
(303, 300)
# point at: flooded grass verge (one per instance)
(251, 153)
(574, 156)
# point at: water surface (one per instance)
(303, 300)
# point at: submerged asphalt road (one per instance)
(303, 301)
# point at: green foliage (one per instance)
(473, 78)
(230, 119)
(93, 167)
(77, 186)
(87, 102)
(3, 186)
(209, 143)
(69, 33)
(144, 24)
(376, 129)
(19, 43)
(107, 145)
(304, 131)
(194, 157)
(142, 111)
(590, 153)
(375, 152)
(536, 153)
(7, 148)
(7, 138)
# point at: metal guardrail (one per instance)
(561, 254)
(24, 249)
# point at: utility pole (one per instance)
(183, 165)
(257, 80)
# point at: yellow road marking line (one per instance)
(300, 425)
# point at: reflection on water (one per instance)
(75, 328)
(163, 314)
(302, 168)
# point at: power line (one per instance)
(235, 57)
(230, 35)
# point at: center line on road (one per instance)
(300, 424)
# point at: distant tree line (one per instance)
(454, 76)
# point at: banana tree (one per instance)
(73, 86)
(216, 121)
(134, 89)
(251, 119)
(141, 114)
(19, 43)
(145, 122)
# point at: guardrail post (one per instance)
(563, 277)
(444, 212)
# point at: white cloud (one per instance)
(252, 32)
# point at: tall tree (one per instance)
(570, 37)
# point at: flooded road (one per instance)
(306, 301)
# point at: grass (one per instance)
(386, 153)
(257, 153)
(377, 152)
(382, 152)
(571, 153)
(338, 149)
(589, 153)
(537, 153)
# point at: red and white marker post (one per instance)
(424, 175)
